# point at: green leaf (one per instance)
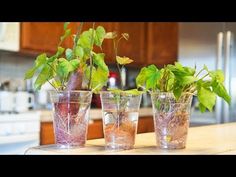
(87, 71)
(181, 71)
(75, 64)
(66, 25)
(85, 39)
(60, 51)
(170, 81)
(179, 66)
(206, 97)
(64, 68)
(187, 80)
(133, 92)
(205, 67)
(79, 52)
(152, 75)
(177, 92)
(44, 75)
(99, 78)
(217, 75)
(220, 90)
(152, 80)
(69, 54)
(189, 71)
(99, 61)
(141, 78)
(66, 34)
(56, 83)
(99, 36)
(39, 61)
(126, 92)
(30, 73)
(123, 60)
(202, 108)
(149, 76)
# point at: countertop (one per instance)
(95, 114)
(213, 139)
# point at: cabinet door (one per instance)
(162, 43)
(145, 124)
(135, 47)
(47, 133)
(40, 36)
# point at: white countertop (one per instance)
(95, 114)
(213, 139)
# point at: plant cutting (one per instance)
(120, 108)
(74, 73)
(172, 89)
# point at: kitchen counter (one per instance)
(213, 139)
(95, 114)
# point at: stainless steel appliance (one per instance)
(212, 44)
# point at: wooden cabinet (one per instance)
(40, 36)
(162, 43)
(145, 124)
(46, 133)
(149, 43)
(135, 47)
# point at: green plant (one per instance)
(181, 80)
(121, 62)
(120, 95)
(68, 68)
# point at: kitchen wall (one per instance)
(13, 67)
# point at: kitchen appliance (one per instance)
(10, 36)
(23, 101)
(212, 44)
(7, 100)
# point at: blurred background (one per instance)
(25, 116)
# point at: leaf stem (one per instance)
(51, 67)
(200, 71)
(77, 35)
(52, 85)
(90, 59)
(204, 76)
(115, 45)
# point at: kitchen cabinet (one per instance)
(145, 124)
(95, 129)
(39, 37)
(135, 47)
(149, 43)
(162, 43)
(36, 37)
(46, 133)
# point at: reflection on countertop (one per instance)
(95, 114)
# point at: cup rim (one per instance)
(72, 91)
(107, 92)
(158, 92)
